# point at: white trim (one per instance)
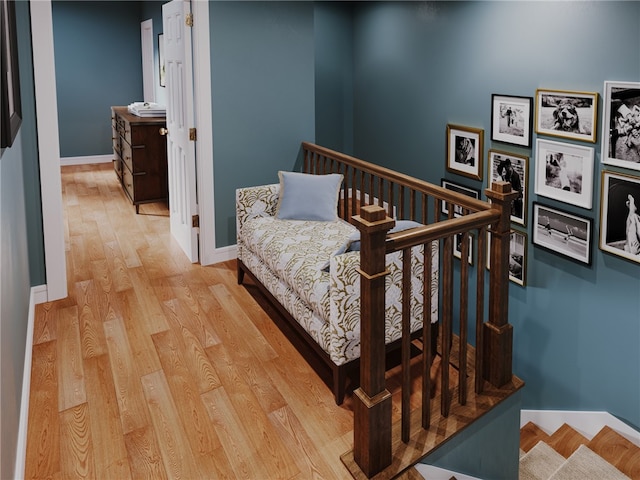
(203, 120)
(89, 160)
(224, 254)
(21, 446)
(44, 74)
(39, 293)
(586, 423)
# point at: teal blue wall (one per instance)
(98, 64)
(333, 29)
(16, 183)
(421, 65)
(262, 85)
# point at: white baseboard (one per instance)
(86, 160)
(39, 294)
(586, 423)
(21, 447)
(222, 254)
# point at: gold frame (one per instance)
(475, 169)
(546, 117)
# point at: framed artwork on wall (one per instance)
(564, 172)
(470, 192)
(511, 119)
(565, 114)
(161, 66)
(464, 151)
(10, 104)
(517, 256)
(562, 232)
(621, 125)
(512, 168)
(457, 247)
(619, 219)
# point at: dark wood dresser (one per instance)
(140, 156)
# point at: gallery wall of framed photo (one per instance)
(564, 170)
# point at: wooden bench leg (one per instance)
(339, 383)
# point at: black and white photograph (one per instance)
(565, 114)
(517, 256)
(512, 168)
(464, 151)
(562, 232)
(457, 247)
(469, 192)
(619, 218)
(511, 119)
(564, 172)
(621, 125)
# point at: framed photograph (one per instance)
(517, 256)
(619, 219)
(514, 169)
(464, 151)
(10, 105)
(511, 119)
(621, 125)
(470, 192)
(457, 247)
(562, 232)
(564, 172)
(161, 66)
(567, 114)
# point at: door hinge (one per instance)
(193, 134)
(195, 221)
(188, 20)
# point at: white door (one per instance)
(183, 206)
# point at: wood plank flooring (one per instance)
(157, 368)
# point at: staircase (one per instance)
(566, 454)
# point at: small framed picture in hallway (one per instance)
(511, 119)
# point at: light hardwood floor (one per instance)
(155, 368)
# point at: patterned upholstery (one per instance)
(288, 256)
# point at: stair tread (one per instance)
(539, 462)
(530, 435)
(617, 450)
(585, 464)
(566, 440)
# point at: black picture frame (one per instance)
(511, 119)
(456, 187)
(10, 103)
(562, 233)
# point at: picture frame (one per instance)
(457, 247)
(511, 119)
(562, 233)
(567, 114)
(518, 243)
(512, 168)
(619, 220)
(621, 125)
(161, 65)
(564, 172)
(464, 151)
(10, 101)
(455, 187)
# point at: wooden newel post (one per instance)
(372, 401)
(498, 333)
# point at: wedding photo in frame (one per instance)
(567, 114)
(562, 232)
(619, 219)
(517, 256)
(464, 151)
(621, 125)
(564, 172)
(470, 192)
(512, 168)
(511, 119)
(10, 103)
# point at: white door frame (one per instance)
(49, 147)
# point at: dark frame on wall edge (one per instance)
(10, 104)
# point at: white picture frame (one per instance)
(564, 172)
(621, 125)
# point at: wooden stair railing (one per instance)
(372, 403)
